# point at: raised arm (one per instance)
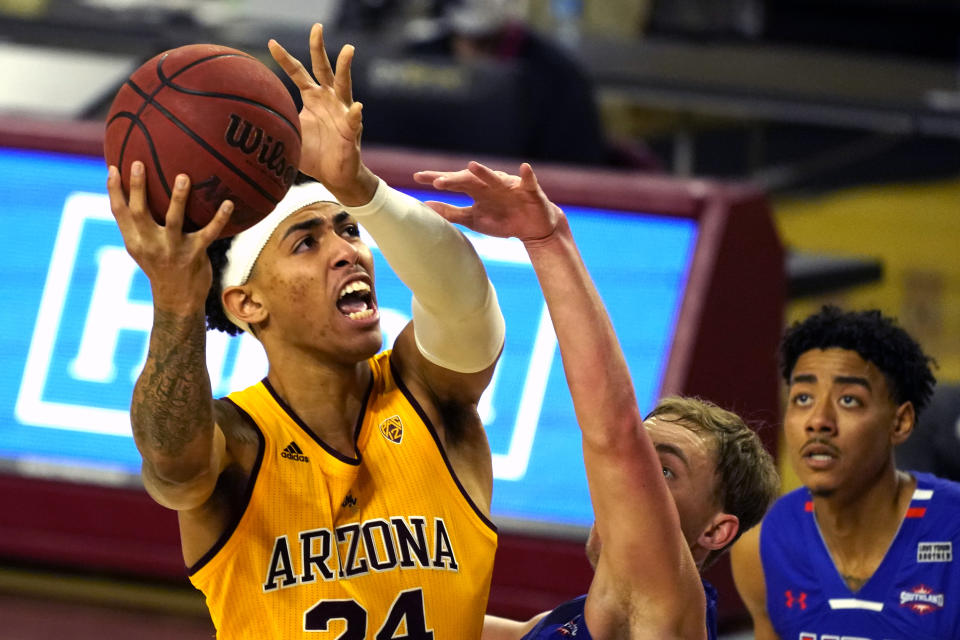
(172, 408)
(458, 329)
(646, 578)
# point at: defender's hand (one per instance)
(504, 205)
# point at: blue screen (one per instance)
(77, 317)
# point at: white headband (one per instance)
(247, 245)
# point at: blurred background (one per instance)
(840, 120)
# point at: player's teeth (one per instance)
(354, 286)
(360, 315)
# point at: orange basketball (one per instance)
(218, 115)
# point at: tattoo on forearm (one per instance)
(171, 400)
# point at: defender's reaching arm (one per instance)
(650, 588)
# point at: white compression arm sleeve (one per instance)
(456, 318)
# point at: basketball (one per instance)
(218, 115)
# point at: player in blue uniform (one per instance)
(670, 492)
(863, 550)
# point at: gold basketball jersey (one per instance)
(383, 545)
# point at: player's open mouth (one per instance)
(819, 456)
(818, 451)
(356, 301)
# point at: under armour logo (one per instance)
(800, 600)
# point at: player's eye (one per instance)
(352, 230)
(668, 474)
(802, 399)
(305, 243)
(850, 401)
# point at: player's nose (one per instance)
(822, 419)
(343, 253)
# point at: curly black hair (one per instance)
(876, 338)
(216, 317)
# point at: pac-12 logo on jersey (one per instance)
(392, 429)
(921, 599)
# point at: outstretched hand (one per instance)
(330, 121)
(504, 205)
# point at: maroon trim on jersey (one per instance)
(248, 493)
(303, 426)
(436, 439)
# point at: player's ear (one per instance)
(243, 304)
(903, 423)
(719, 532)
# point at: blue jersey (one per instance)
(913, 595)
(566, 621)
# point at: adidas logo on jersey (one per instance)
(293, 452)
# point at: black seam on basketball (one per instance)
(197, 61)
(126, 137)
(136, 122)
(203, 143)
(167, 81)
(227, 96)
(147, 101)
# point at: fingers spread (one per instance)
(493, 179)
(211, 231)
(118, 200)
(456, 215)
(426, 177)
(355, 117)
(318, 56)
(343, 82)
(484, 173)
(527, 178)
(178, 204)
(462, 181)
(291, 66)
(138, 188)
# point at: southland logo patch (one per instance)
(921, 599)
(392, 429)
(935, 552)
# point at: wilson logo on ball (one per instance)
(249, 138)
(216, 114)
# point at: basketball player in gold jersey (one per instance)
(347, 494)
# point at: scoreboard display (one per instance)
(691, 273)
